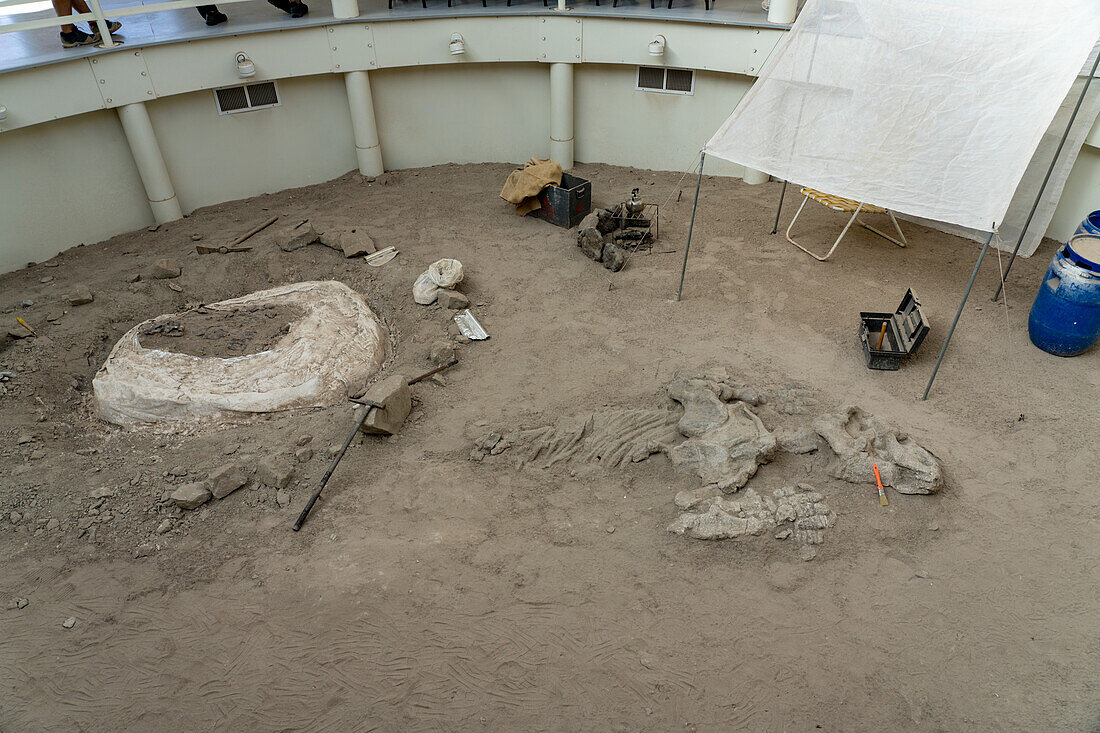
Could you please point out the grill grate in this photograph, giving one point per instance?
(247, 97)
(669, 81)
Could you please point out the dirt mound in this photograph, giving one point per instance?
(208, 333)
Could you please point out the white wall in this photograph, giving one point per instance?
(617, 124)
(1080, 197)
(214, 158)
(73, 180)
(477, 113)
(66, 182)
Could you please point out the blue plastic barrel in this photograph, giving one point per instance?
(1091, 225)
(1065, 317)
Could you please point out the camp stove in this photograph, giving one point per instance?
(633, 224)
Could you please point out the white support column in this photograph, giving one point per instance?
(150, 162)
(754, 177)
(561, 114)
(367, 148)
(345, 8)
(782, 11)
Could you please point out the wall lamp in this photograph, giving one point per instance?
(457, 46)
(3, 113)
(245, 66)
(657, 46)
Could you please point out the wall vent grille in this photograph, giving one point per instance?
(666, 81)
(247, 97)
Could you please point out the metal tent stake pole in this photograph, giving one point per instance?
(1050, 170)
(958, 313)
(782, 193)
(694, 206)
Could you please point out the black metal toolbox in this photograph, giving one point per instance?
(905, 331)
(567, 204)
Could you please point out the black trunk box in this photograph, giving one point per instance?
(567, 204)
(905, 331)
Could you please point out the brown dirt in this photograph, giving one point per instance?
(429, 591)
(222, 334)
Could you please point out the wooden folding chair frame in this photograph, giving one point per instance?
(806, 197)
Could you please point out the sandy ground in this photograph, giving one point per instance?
(432, 592)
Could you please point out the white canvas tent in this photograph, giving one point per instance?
(932, 108)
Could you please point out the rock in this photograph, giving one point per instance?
(133, 278)
(304, 439)
(80, 296)
(18, 332)
(441, 353)
(227, 479)
(189, 496)
(27, 303)
(54, 315)
(452, 299)
(606, 221)
(799, 442)
(166, 269)
(861, 440)
(174, 287)
(145, 549)
(352, 241)
(24, 439)
(282, 497)
(591, 244)
(304, 454)
(15, 517)
(394, 393)
(196, 237)
(17, 603)
(277, 477)
(69, 622)
(722, 517)
(726, 442)
(164, 526)
(53, 524)
(177, 471)
(591, 221)
(102, 493)
(614, 258)
(806, 553)
(290, 238)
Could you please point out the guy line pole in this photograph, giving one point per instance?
(694, 206)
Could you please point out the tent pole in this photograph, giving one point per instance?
(694, 206)
(958, 313)
(782, 192)
(1042, 188)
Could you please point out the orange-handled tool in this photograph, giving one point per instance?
(881, 491)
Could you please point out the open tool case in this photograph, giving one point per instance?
(905, 330)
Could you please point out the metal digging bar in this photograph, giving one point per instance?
(958, 313)
(694, 206)
(351, 436)
(1042, 188)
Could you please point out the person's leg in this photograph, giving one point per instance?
(64, 8)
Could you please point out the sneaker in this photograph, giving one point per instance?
(77, 37)
(213, 16)
(296, 10)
